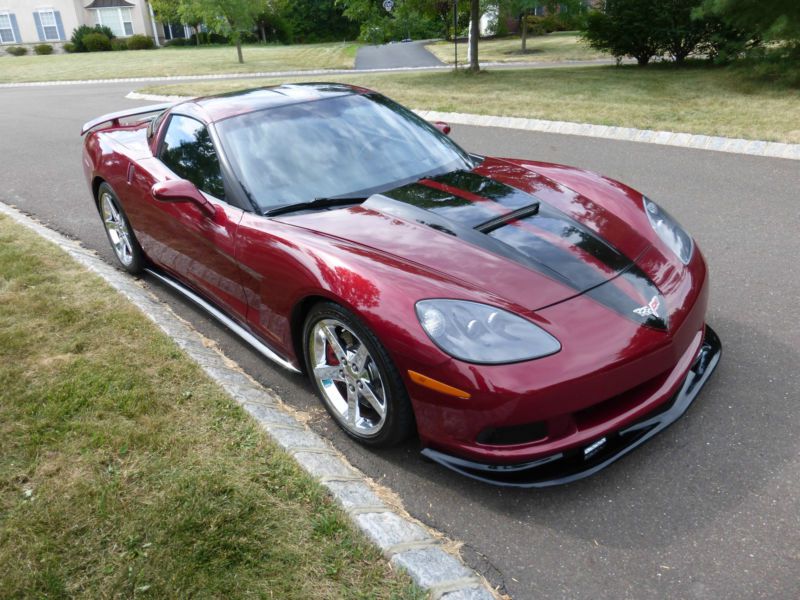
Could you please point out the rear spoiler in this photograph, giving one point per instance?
(115, 117)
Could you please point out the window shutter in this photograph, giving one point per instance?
(15, 28)
(59, 25)
(39, 29)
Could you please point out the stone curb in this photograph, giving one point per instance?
(627, 134)
(405, 543)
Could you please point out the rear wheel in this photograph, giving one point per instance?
(118, 230)
(355, 377)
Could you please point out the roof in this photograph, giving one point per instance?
(232, 104)
(109, 4)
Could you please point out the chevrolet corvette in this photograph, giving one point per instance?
(530, 322)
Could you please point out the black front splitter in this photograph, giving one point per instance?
(577, 463)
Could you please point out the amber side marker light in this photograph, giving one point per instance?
(438, 386)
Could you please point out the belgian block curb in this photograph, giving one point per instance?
(625, 134)
(407, 544)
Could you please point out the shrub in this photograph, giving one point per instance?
(628, 28)
(84, 30)
(96, 42)
(42, 49)
(69, 47)
(17, 50)
(140, 42)
(119, 44)
(179, 42)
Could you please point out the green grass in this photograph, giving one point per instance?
(553, 47)
(710, 101)
(175, 61)
(124, 472)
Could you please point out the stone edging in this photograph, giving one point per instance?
(406, 543)
(627, 134)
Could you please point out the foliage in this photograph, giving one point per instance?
(118, 44)
(773, 20)
(96, 42)
(231, 18)
(311, 21)
(79, 33)
(17, 50)
(140, 42)
(69, 47)
(627, 28)
(42, 49)
(415, 19)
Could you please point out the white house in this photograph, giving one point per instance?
(29, 22)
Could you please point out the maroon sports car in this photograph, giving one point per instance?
(531, 322)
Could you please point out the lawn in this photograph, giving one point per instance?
(553, 47)
(712, 101)
(204, 60)
(125, 472)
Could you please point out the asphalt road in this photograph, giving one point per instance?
(709, 509)
(397, 55)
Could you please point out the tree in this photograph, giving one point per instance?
(772, 20)
(474, 34)
(230, 17)
(628, 28)
(682, 30)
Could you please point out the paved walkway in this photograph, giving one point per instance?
(396, 55)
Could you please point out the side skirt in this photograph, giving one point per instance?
(228, 322)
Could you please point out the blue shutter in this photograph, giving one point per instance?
(39, 29)
(15, 28)
(59, 25)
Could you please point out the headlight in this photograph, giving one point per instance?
(668, 229)
(478, 333)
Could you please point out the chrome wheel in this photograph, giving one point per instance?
(117, 229)
(348, 377)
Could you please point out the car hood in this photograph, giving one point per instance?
(505, 230)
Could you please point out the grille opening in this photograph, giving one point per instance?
(515, 434)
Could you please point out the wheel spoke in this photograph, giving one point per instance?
(369, 396)
(352, 405)
(359, 359)
(330, 335)
(328, 372)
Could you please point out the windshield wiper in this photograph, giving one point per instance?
(314, 204)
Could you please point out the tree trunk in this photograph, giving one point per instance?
(239, 49)
(643, 60)
(524, 33)
(475, 32)
(197, 34)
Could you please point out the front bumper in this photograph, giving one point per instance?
(577, 463)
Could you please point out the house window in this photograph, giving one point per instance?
(6, 30)
(118, 20)
(49, 27)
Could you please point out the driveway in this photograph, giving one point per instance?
(396, 56)
(708, 509)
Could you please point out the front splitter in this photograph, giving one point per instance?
(577, 463)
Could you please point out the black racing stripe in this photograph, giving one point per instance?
(519, 240)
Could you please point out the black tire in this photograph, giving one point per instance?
(118, 229)
(397, 423)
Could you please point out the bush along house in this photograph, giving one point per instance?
(31, 23)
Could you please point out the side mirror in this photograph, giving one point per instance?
(182, 190)
(442, 126)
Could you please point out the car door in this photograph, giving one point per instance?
(182, 238)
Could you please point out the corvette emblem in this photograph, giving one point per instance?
(649, 309)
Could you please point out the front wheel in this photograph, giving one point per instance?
(118, 230)
(355, 377)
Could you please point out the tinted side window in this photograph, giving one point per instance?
(187, 150)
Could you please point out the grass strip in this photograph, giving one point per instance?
(701, 100)
(553, 47)
(204, 60)
(124, 471)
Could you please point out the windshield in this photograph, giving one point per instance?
(343, 146)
